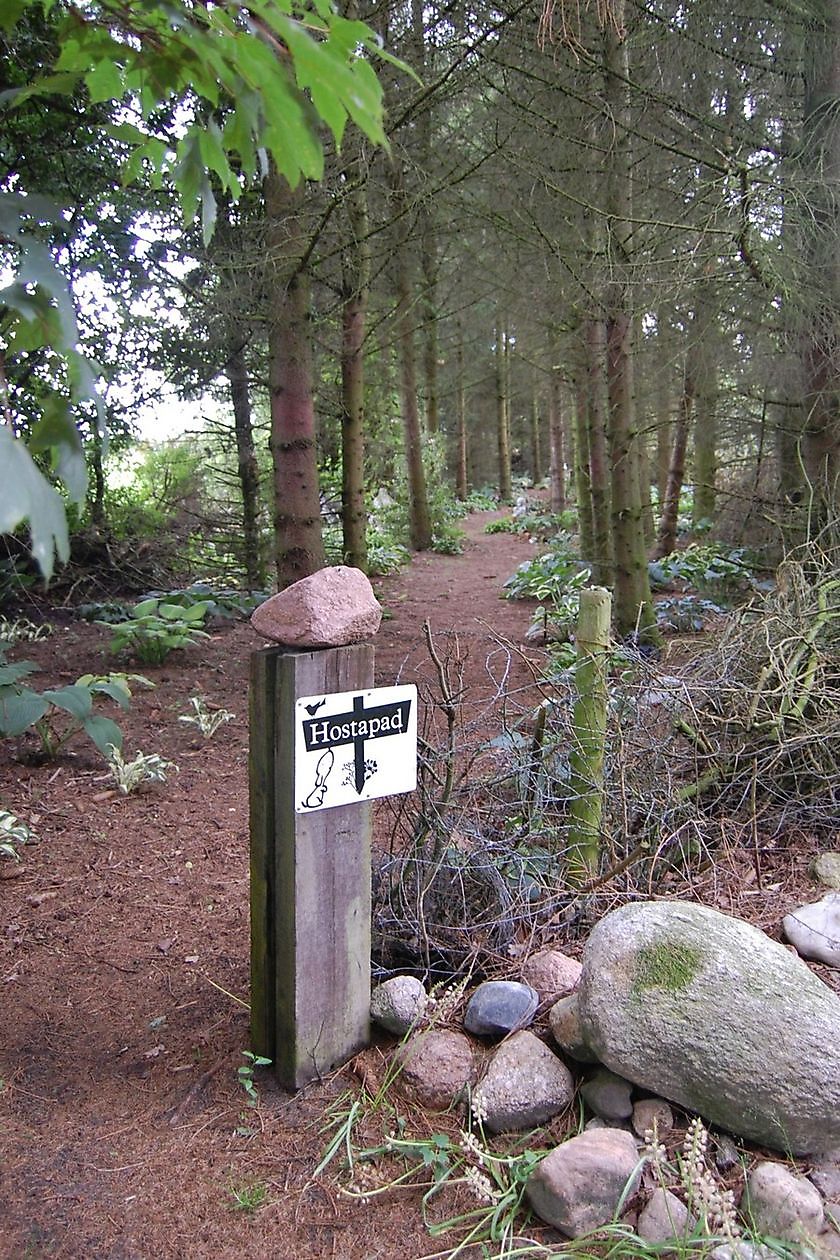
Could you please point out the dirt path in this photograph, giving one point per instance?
(125, 1134)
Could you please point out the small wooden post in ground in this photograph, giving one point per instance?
(310, 879)
(589, 726)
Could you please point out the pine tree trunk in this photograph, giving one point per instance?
(299, 546)
(666, 539)
(502, 424)
(462, 463)
(583, 483)
(557, 443)
(821, 159)
(355, 289)
(247, 468)
(599, 479)
(633, 608)
(419, 520)
(536, 438)
(703, 356)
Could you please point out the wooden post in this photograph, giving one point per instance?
(310, 880)
(589, 726)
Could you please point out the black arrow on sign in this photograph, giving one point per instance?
(355, 727)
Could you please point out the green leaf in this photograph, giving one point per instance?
(104, 82)
(13, 671)
(20, 709)
(56, 432)
(145, 607)
(104, 732)
(75, 700)
(25, 494)
(116, 691)
(11, 11)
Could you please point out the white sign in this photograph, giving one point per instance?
(354, 746)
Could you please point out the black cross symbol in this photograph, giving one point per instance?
(354, 727)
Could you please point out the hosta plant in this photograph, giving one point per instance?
(129, 776)
(206, 719)
(57, 714)
(13, 833)
(155, 628)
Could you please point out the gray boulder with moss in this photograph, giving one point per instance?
(707, 1011)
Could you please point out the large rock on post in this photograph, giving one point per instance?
(332, 608)
(709, 1012)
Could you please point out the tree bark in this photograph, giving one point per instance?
(419, 520)
(821, 162)
(536, 437)
(633, 608)
(599, 478)
(583, 482)
(462, 461)
(355, 277)
(297, 510)
(502, 417)
(667, 536)
(246, 466)
(557, 443)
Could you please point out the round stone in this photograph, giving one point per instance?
(499, 1007)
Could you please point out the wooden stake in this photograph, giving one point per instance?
(589, 725)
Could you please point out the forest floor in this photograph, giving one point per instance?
(125, 1133)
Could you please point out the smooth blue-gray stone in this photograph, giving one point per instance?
(499, 1007)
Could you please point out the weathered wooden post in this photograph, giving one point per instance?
(589, 727)
(312, 718)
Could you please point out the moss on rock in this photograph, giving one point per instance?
(665, 966)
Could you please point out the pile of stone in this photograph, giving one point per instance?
(674, 1003)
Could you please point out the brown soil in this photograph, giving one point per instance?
(125, 1132)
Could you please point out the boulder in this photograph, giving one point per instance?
(332, 608)
(708, 1012)
(581, 1183)
(524, 1086)
(814, 930)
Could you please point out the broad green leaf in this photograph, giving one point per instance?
(19, 709)
(74, 700)
(115, 690)
(11, 11)
(194, 612)
(104, 82)
(56, 432)
(25, 494)
(15, 670)
(145, 607)
(215, 158)
(104, 732)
